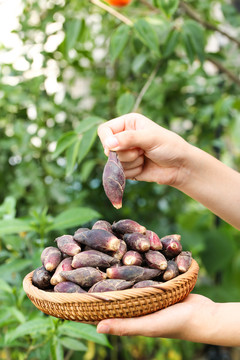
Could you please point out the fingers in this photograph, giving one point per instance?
(126, 132)
(124, 327)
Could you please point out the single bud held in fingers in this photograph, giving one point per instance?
(137, 241)
(65, 265)
(93, 258)
(114, 180)
(68, 287)
(132, 273)
(155, 242)
(171, 271)
(103, 225)
(146, 283)
(85, 277)
(98, 239)
(51, 258)
(127, 226)
(41, 278)
(171, 247)
(156, 260)
(68, 245)
(183, 261)
(132, 258)
(111, 285)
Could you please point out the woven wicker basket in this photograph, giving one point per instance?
(91, 308)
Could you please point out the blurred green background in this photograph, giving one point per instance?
(67, 66)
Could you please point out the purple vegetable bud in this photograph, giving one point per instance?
(41, 278)
(103, 225)
(93, 258)
(68, 245)
(146, 283)
(110, 285)
(183, 261)
(155, 242)
(171, 271)
(85, 276)
(132, 273)
(68, 287)
(121, 251)
(171, 247)
(114, 180)
(98, 239)
(156, 260)
(51, 258)
(137, 241)
(127, 226)
(65, 265)
(132, 258)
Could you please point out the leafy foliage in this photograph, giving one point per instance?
(82, 66)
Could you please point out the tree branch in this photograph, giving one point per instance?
(145, 88)
(113, 12)
(223, 69)
(192, 14)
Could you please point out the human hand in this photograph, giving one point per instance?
(189, 320)
(147, 151)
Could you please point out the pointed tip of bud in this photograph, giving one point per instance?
(117, 205)
(48, 267)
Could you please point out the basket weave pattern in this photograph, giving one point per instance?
(91, 308)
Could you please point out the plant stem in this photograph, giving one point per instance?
(113, 12)
(223, 69)
(69, 355)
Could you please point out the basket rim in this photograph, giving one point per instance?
(119, 295)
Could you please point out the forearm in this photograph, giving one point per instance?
(213, 184)
(216, 325)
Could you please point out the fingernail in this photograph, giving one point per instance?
(111, 142)
(103, 329)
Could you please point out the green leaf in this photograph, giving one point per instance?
(147, 35)
(73, 217)
(8, 208)
(87, 141)
(14, 226)
(171, 42)
(219, 250)
(83, 331)
(14, 266)
(4, 287)
(193, 36)
(28, 328)
(119, 41)
(17, 314)
(65, 141)
(86, 169)
(125, 104)
(73, 344)
(169, 7)
(73, 28)
(138, 62)
(56, 349)
(71, 156)
(188, 46)
(88, 123)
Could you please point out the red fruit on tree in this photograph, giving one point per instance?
(119, 3)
